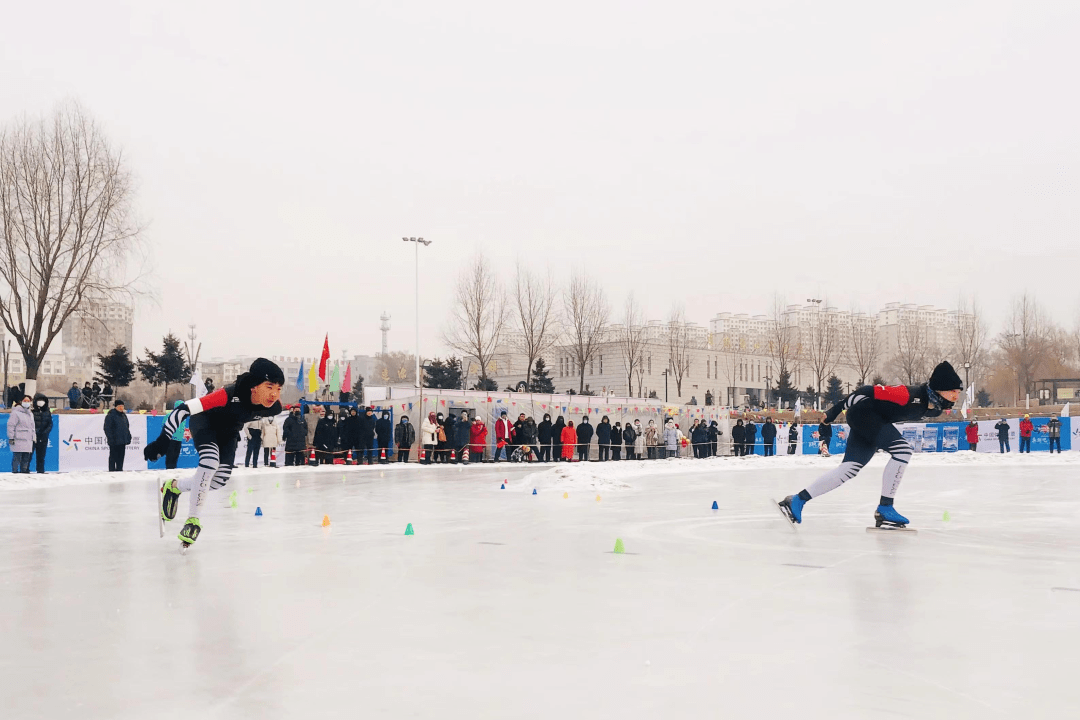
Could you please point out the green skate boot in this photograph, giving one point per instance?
(170, 496)
(189, 534)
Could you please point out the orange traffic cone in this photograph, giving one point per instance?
(349, 458)
(453, 456)
(312, 460)
(382, 454)
(465, 455)
(422, 454)
(273, 457)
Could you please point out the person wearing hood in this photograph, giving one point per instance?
(326, 433)
(699, 436)
(793, 438)
(557, 439)
(1002, 428)
(543, 437)
(1053, 431)
(872, 412)
(442, 437)
(294, 433)
(616, 441)
(477, 440)
(971, 433)
(639, 441)
(738, 438)
(349, 434)
(584, 438)
(629, 436)
(404, 436)
(768, 437)
(569, 441)
(712, 438)
(429, 437)
(671, 439)
(21, 435)
(118, 436)
(503, 433)
(74, 396)
(176, 442)
(43, 425)
(750, 440)
(366, 436)
(253, 435)
(1026, 427)
(215, 423)
(384, 432)
(824, 432)
(603, 439)
(527, 440)
(462, 435)
(652, 440)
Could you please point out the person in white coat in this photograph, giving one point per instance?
(271, 438)
(22, 435)
(671, 439)
(429, 430)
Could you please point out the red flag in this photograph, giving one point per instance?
(346, 384)
(325, 358)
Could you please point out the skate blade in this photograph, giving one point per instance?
(790, 522)
(887, 529)
(184, 547)
(160, 516)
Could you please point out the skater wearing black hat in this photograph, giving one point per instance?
(215, 425)
(871, 412)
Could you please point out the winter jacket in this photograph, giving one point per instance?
(1025, 428)
(768, 433)
(428, 432)
(117, 431)
(671, 437)
(699, 435)
(312, 424)
(972, 433)
(516, 432)
(366, 430)
(326, 434)
(824, 432)
(295, 433)
(43, 419)
(1053, 428)
(569, 438)
(639, 440)
(714, 432)
(793, 434)
(1003, 430)
(543, 430)
(527, 434)
(629, 435)
(503, 431)
(584, 433)
(384, 430)
(738, 433)
(463, 432)
(557, 432)
(872, 406)
(751, 433)
(74, 396)
(253, 430)
(21, 431)
(652, 434)
(349, 428)
(477, 439)
(271, 433)
(404, 434)
(603, 433)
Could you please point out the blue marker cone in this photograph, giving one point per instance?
(534, 491)
(502, 487)
(715, 506)
(258, 512)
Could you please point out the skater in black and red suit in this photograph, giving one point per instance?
(215, 422)
(871, 412)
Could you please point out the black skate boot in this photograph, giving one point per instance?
(170, 497)
(190, 533)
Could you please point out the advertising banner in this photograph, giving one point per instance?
(188, 457)
(83, 445)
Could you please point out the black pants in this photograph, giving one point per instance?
(172, 454)
(266, 456)
(556, 451)
(252, 455)
(294, 458)
(429, 450)
(769, 449)
(630, 454)
(40, 448)
(403, 453)
(116, 458)
(603, 452)
(1003, 445)
(545, 453)
(974, 446)
(1054, 441)
(20, 462)
(1025, 444)
(582, 452)
(616, 452)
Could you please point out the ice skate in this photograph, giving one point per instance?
(170, 497)
(791, 508)
(189, 534)
(886, 519)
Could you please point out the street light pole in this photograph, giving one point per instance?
(417, 242)
(967, 366)
(665, 374)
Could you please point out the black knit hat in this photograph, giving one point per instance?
(945, 378)
(263, 370)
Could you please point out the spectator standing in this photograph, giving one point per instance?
(87, 396)
(74, 396)
(824, 434)
(404, 436)
(793, 438)
(972, 433)
(543, 437)
(584, 438)
(384, 433)
(738, 436)
(118, 436)
(671, 439)
(527, 440)
(569, 441)
(503, 431)
(22, 436)
(326, 438)
(1053, 430)
(107, 393)
(751, 437)
(557, 438)
(629, 436)
(1026, 427)
(616, 441)
(349, 434)
(603, 439)
(366, 437)
(462, 435)
(699, 436)
(271, 438)
(314, 413)
(429, 437)
(43, 425)
(1002, 428)
(652, 440)
(295, 434)
(768, 437)
(712, 436)
(516, 438)
(253, 435)
(442, 447)
(176, 442)
(477, 440)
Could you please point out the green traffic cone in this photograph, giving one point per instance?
(409, 530)
(619, 549)
(945, 517)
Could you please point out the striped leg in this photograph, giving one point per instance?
(900, 451)
(200, 483)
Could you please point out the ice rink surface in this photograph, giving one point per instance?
(510, 605)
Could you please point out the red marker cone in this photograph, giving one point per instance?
(273, 458)
(453, 456)
(422, 454)
(312, 460)
(348, 458)
(382, 454)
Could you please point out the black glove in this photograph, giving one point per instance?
(157, 449)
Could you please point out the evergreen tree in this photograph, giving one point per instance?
(116, 368)
(878, 380)
(708, 397)
(785, 390)
(809, 396)
(834, 390)
(358, 389)
(445, 375)
(167, 367)
(541, 383)
(486, 384)
(982, 398)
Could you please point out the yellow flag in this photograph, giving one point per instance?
(312, 380)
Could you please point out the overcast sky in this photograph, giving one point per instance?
(709, 153)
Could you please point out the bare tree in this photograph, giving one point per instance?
(782, 342)
(586, 313)
(864, 350)
(537, 316)
(479, 316)
(1026, 342)
(912, 350)
(631, 339)
(821, 350)
(66, 227)
(680, 346)
(969, 337)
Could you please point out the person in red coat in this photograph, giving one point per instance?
(1026, 427)
(477, 440)
(569, 441)
(503, 436)
(972, 431)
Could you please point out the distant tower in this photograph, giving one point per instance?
(385, 327)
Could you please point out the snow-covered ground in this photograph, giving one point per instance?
(506, 604)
